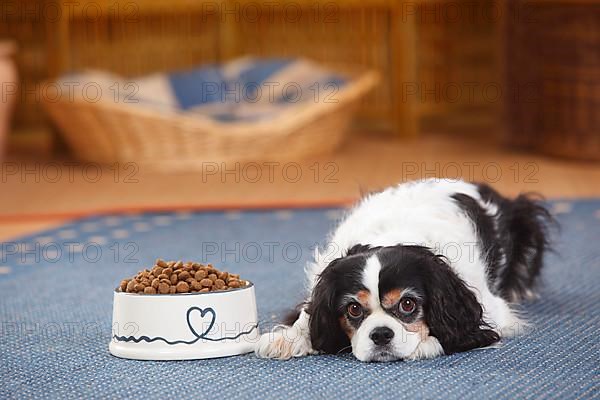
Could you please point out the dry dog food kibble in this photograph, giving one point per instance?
(170, 277)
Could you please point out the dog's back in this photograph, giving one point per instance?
(512, 234)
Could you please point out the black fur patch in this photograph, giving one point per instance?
(342, 276)
(491, 244)
(293, 315)
(514, 240)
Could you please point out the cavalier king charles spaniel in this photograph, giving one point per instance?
(416, 271)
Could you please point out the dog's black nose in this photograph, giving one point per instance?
(381, 335)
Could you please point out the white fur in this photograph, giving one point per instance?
(423, 213)
(371, 281)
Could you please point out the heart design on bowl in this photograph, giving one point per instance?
(198, 313)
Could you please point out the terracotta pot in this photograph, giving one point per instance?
(8, 89)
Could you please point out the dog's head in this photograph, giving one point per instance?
(384, 301)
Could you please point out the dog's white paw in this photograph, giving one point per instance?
(285, 342)
(428, 348)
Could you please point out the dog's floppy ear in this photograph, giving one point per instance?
(452, 312)
(326, 334)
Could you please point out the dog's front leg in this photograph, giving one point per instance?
(285, 342)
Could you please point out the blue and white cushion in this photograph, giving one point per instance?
(243, 90)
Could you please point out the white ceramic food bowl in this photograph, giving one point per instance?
(184, 326)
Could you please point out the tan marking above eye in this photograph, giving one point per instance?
(392, 297)
(363, 297)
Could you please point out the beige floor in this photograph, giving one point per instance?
(35, 196)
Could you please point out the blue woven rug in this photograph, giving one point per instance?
(56, 315)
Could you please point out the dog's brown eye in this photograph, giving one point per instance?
(355, 310)
(407, 305)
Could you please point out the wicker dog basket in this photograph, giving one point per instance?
(553, 69)
(109, 132)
